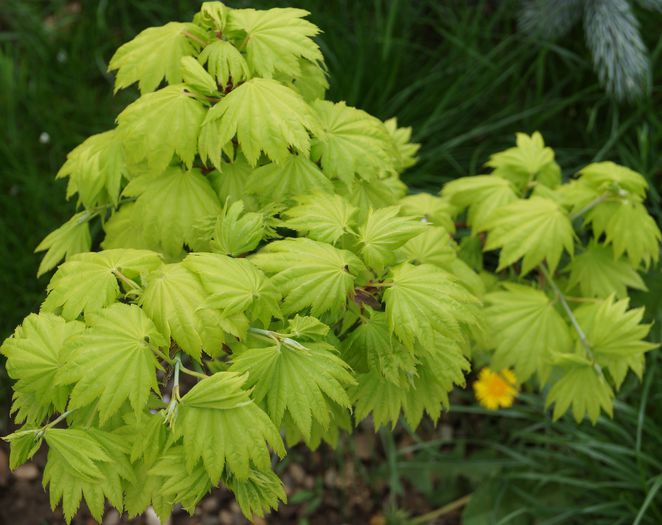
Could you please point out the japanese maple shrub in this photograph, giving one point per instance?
(264, 278)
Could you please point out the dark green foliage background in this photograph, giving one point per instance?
(461, 75)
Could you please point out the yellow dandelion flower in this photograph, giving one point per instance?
(496, 389)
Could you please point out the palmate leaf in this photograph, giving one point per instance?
(123, 229)
(69, 239)
(598, 273)
(425, 391)
(310, 274)
(89, 281)
(90, 464)
(616, 336)
(433, 246)
(296, 175)
(429, 208)
(95, 169)
(607, 176)
(176, 481)
(112, 361)
(236, 232)
(154, 54)
(628, 228)
(351, 141)
(324, 217)
(275, 39)
(299, 381)
(534, 230)
(423, 300)
(383, 232)
(438, 371)
(372, 346)
(526, 330)
(230, 181)
(529, 161)
(162, 124)
(265, 116)
(225, 63)
(222, 426)
(184, 197)
(34, 355)
(24, 444)
(374, 193)
(401, 138)
(583, 389)
(482, 194)
(196, 77)
(257, 495)
(236, 287)
(376, 396)
(311, 83)
(170, 299)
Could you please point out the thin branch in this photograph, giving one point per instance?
(598, 200)
(573, 320)
(443, 511)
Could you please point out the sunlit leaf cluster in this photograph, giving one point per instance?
(264, 279)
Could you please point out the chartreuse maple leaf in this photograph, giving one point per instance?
(628, 228)
(534, 230)
(310, 274)
(433, 246)
(274, 39)
(439, 367)
(230, 181)
(236, 232)
(257, 495)
(376, 396)
(154, 54)
(324, 217)
(184, 197)
(95, 169)
(296, 175)
(351, 142)
(526, 330)
(222, 425)
(69, 239)
(374, 193)
(616, 336)
(170, 299)
(85, 463)
(177, 481)
(300, 380)
(529, 161)
(598, 273)
(401, 138)
(123, 229)
(34, 355)
(610, 177)
(423, 300)
(372, 346)
(383, 232)
(162, 124)
(429, 208)
(265, 116)
(582, 388)
(236, 287)
(196, 77)
(483, 195)
(311, 82)
(113, 360)
(225, 63)
(89, 281)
